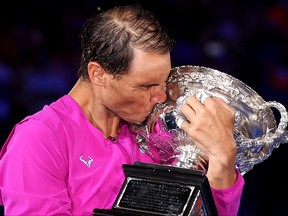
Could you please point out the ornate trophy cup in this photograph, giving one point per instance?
(256, 130)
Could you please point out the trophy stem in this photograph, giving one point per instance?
(190, 157)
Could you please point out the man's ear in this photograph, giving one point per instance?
(96, 73)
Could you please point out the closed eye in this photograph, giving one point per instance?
(153, 85)
(150, 85)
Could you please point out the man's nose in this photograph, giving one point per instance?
(158, 94)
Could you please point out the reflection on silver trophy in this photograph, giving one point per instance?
(256, 131)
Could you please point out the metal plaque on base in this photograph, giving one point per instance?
(151, 189)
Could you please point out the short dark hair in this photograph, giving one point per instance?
(110, 37)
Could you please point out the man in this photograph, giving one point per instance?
(67, 158)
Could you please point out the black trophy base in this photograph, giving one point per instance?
(151, 189)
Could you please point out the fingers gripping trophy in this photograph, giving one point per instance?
(256, 130)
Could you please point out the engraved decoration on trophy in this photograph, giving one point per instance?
(256, 130)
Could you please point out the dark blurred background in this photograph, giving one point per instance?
(40, 54)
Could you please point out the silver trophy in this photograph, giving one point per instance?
(256, 131)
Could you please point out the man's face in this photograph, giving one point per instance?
(133, 96)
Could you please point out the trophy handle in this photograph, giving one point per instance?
(280, 133)
(254, 151)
